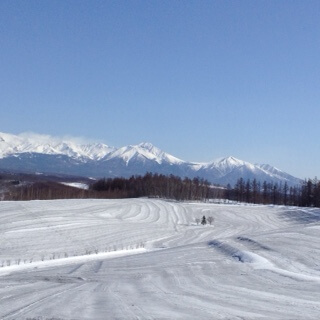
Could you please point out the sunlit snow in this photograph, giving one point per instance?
(78, 185)
(148, 259)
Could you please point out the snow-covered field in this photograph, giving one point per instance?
(147, 259)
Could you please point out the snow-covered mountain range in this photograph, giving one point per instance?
(32, 143)
(45, 154)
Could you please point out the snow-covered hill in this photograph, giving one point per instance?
(38, 153)
(148, 259)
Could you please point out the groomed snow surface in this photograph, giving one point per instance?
(147, 259)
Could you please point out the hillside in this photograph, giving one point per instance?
(148, 259)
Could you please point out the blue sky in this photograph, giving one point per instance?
(198, 79)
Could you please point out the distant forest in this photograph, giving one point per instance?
(173, 187)
(305, 195)
(161, 186)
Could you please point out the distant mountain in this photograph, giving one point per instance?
(45, 154)
(30, 143)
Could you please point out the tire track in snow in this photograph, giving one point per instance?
(32, 306)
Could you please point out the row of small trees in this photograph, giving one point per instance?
(56, 256)
(205, 220)
(306, 195)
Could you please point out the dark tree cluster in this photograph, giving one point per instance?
(310, 193)
(305, 195)
(158, 185)
(45, 191)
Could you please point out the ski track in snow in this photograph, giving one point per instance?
(58, 260)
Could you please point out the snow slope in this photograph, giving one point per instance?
(256, 262)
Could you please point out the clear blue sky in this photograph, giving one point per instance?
(198, 79)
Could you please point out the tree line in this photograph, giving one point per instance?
(158, 185)
(252, 191)
(173, 187)
(149, 185)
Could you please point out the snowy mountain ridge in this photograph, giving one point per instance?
(32, 143)
(143, 151)
(41, 153)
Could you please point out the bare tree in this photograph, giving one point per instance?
(210, 220)
(197, 221)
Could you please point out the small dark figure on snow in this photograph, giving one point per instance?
(204, 220)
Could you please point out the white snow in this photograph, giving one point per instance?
(78, 185)
(226, 165)
(14, 144)
(147, 259)
(44, 264)
(143, 151)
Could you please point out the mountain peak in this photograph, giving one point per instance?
(149, 147)
(229, 161)
(146, 145)
(143, 151)
(233, 159)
